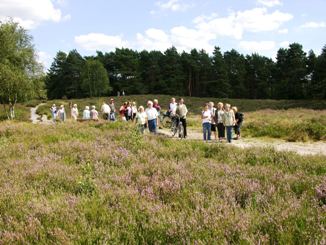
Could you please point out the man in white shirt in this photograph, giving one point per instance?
(105, 109)
(152, 115)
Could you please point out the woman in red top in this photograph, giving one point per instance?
(122, 111)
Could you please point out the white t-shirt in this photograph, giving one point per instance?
(173, 108)
(141, 118)
(86, 115)
(207, 114)
(134, 109)
(151, 113)
(74, 113)
(106, 109)
(213, 110)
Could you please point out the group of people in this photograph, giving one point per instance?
(221, 118)
(215, 120)
(89, 113)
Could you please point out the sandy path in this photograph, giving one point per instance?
(314, 148)
(37, 119)
(311, 148)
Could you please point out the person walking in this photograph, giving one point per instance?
(112, 110)
(206, 122)
(122, 112)
(94, 113)
(134, 110)
(74, 112)
(152, 114)
(219, 121)
(228, 121)
(238, 122)
(213, 123)
(86, 113)
(140, 119)
(53, 110)
(182, 112)
(62, 113)
(158, 108)
(105, 109)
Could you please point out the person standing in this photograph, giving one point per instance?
(94, 113)
(74, 112)
(238, 122)
(140, 119)
(213, 123)
(182, 112)
(134, 110)
(62, 113)
(228, 121)
(219, 121)
(53, 110)
(105, 109)
(86, 113)
(172, 107)
(122, 112)
(206, 122)
(152, 114)
(158, 108)
(112, 110)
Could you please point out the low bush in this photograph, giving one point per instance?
(93, 183)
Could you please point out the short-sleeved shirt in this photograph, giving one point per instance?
(141, 118)
(151, 113)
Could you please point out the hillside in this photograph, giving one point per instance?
(104, 183)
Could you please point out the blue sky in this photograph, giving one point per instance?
(261, 26)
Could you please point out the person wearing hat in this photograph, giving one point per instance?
(74, 112)
(94, 113)
(112, 110)
(62, 113)
(53, 110)
(86, 113)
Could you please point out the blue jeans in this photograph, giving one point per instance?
(229, 133)
(207, 131)
(112, 116)
(152, 126)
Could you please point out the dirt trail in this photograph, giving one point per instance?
(314, 148)
(37, 119)
(301, 148)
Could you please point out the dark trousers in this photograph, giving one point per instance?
(237, 129)
(184, 124)
(221, 130)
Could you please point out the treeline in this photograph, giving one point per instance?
(294, 74)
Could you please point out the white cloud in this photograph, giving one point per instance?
(314, 25)
(100, 41)
(237, 23)
(270, 3)
(44, 58)
(284, 44)
(183, 38)
(153, 39)
(283, 31)
(254, 46)
(30, 13)
(173, 5)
